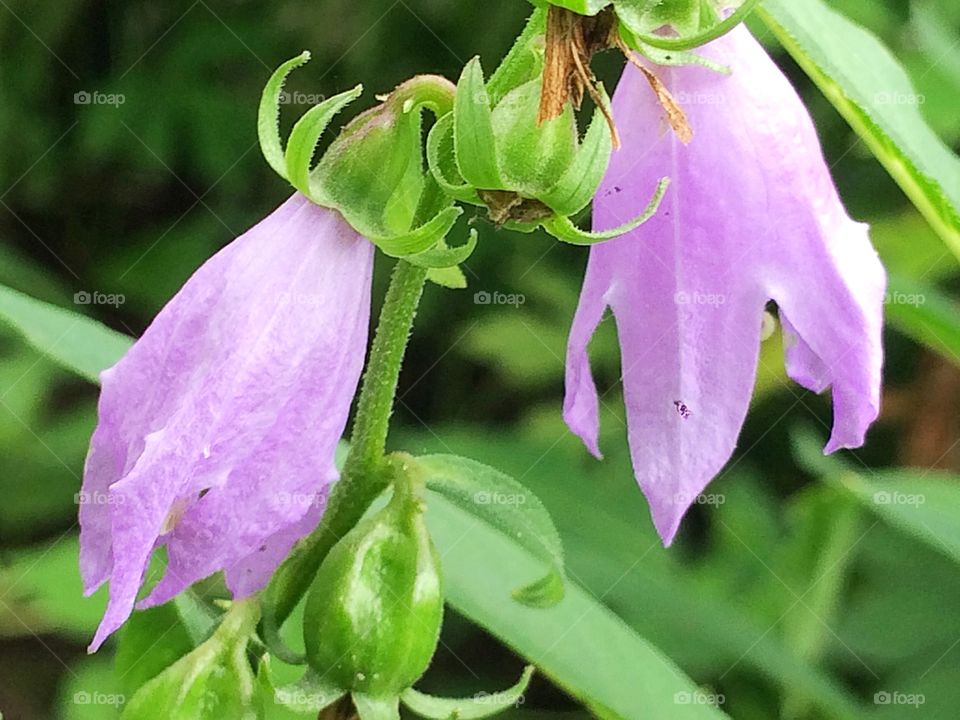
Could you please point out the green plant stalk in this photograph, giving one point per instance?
(366, 472)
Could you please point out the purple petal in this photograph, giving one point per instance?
(752, 216)
(217, 430)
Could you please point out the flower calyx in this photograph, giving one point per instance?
(372, 173)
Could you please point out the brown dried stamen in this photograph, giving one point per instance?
(572, 41)
(675, 114)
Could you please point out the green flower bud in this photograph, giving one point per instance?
(530, 168)
(373, 614)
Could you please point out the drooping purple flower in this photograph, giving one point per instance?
(217, 430)
(752, 215)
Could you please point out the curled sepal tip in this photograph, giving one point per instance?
(303, 140)
(640, 26)
(268, 116)
(482, 705)
(441, 158)
(562, 227)
(443, 256)
(419, 239)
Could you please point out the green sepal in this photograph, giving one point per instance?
(377, 708)
(303, 140)
(579, 183)
(582, 7)
(530, 155)
(671, 58)
(420, 239)
(681, 15)
(474, 139)
(562, 228)
(212, 681)
(483, 705)
(442, 160)
(443, 256)
(525, 60)
(268, 116)
(276, 644)
(308, 696)
(642, 26)
(451, 278)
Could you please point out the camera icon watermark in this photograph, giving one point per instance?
(684, 297)
(893, 697)
(699, 697)
(83, 697)
(486, 497)
(884, 497)
(85, 497)
(301, 98)
(95, 97)
(84, 297)
(889, 97)
(896, 297)
(485, 297)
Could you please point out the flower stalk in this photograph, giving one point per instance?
(365, 473)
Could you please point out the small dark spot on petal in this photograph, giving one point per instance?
(682, 409)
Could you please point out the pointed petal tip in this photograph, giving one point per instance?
(585, 428)
(667, 522)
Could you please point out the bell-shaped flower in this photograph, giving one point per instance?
(217, 430)
(752, 215)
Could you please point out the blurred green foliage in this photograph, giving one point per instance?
(787, 591)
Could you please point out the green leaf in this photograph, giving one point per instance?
(480, 706)
(74, 341)
(658, 595)
(925, 314)
(921, 503)
(151, 641)
(579, 643)
(473, 130)
(871, 90)
(40, 587)
(504, 504)
(214, 681)
(268, 117)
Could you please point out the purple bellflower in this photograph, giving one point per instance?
(752, 215)
(217, 430)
